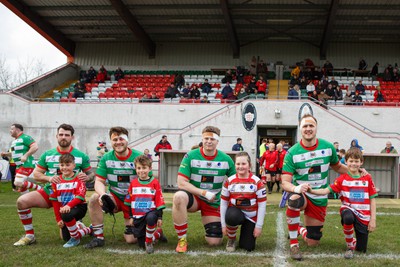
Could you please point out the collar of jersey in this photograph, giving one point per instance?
(310, 148)
(64, 152)
(208, 157)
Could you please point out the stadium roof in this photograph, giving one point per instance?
(238, 22)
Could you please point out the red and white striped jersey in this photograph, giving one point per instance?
(67, 190)
(355, 194)
(245, 194)
(144, 196)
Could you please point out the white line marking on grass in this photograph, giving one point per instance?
(279, 253)
(378, 213)
(281, 260)
(194, 253)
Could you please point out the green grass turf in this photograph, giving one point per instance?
(48, 250)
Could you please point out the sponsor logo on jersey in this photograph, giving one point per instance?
(122, 178)
(208, 172)
(207, 179)
(314, 169)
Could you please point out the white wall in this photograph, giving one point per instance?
(203, 56)
(92, 122)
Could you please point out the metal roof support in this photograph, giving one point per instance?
(328, 29)
(231, 29)
(135, 27)
(47, 30)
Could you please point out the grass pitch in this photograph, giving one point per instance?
(271, 247)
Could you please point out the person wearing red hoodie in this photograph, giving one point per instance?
(270, 157)
(163, 144)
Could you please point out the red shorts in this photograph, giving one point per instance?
(121, 206)
(206, 209)
(24, 171)
(45, 196)
(316, 212)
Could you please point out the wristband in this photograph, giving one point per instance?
(297, 189)
(209, 195)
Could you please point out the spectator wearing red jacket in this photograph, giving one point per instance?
(270, 157)
(163, 144)
(281, 155)
(261, 86)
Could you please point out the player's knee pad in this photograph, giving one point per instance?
(234, 216)
(213, 229)
(314, 232)
(296, 203)
(347, 217)
(151, 218)
(128, 230)
(67, 217)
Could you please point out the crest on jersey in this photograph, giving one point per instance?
(242, 187)
(209, 164)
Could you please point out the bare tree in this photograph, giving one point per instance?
(5, 74)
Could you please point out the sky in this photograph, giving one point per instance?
(20, 42)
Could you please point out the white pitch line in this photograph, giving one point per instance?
(256, 254)
(194, 253)
(279, 253)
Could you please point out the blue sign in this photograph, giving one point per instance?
(249, 116)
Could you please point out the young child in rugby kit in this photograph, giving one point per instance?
(146, 203)
(243, 202)
(358, 209)
(68, 198)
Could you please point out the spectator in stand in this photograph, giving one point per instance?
(338, 93)
(238, 146)
(316, 74)
(334, 82)
(79, 90)
(252, 87)
(378, 95)
(262, 69)
(240, 74)
(303, 83)
(360, 88)
(362, 65)
(103, 70)
(310, 88)
(163, 144)
(294, 80)
(228, 77)
(145, 98)
(354, 143)
(227, 91)
(352, 88)
(172, 91)
(242, 93)
(375, 71)
(86, 77)
(324, 83)
(295, 71)
(327, 69)
(206, 87)
(118, 74)
(389, 149)
(195, 92)
(357, 99)
(309, 64)
(101, 76)
(153, 98)
(261, 86)
(387, 76)
(92, 73)
(179, 80)
(293, 93)
(205, 100)
(185, 93)
(348, 98)
(253, 66)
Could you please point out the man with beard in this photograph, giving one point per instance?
(306, 165)
(117, 169)
(47, 171)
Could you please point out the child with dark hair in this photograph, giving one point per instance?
(146, 204)
(68, 198)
